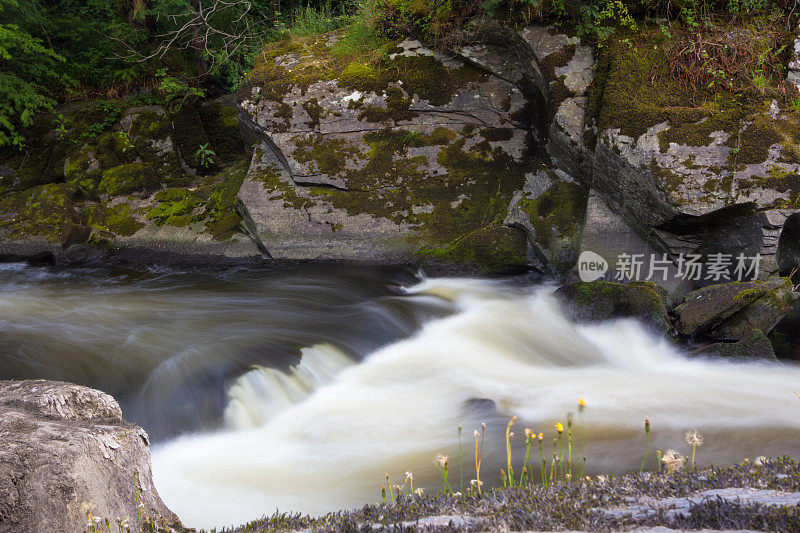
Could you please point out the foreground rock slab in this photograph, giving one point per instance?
(67, 455)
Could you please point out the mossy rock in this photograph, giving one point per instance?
(45, 210)
(762, 314)
(175, 207)
(190, 135)
(130, 178)
(494, 248)
(753, 346)
(605, 300)
(221, 125)
(113, 220)
(359, 155)
(222, 218)
(720, 308)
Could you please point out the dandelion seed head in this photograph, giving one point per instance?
(673, 461)
(694, 439)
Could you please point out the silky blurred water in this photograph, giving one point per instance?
(299, 389)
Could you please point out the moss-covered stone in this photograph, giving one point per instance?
(114, 220)
(605, 300)
(560, 210)
(176, 207)
(756, 140)
(45, 210)
(221, 125)
(221, 217)
(190, 135)
(130, 178)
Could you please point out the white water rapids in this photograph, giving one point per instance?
(320, 436)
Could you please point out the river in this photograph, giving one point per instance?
(297, 389)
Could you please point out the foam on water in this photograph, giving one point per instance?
(322, 437)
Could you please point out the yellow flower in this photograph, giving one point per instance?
(559, 427)
(581, 403)
(541, 437)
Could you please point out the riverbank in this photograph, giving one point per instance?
(761, 494)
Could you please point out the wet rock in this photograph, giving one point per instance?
(569, 70)
(414, 158)
(605, 300)
(788, 252)
(674, 171)
(551, 208)
(755, 346)
(66, 454)
(724, 311)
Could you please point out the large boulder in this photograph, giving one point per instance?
(415, 155)
(605, 300)
(690, 178)
(755, 346)
(67, 458)
(732, 311)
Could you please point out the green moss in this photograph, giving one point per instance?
(110, 151)
(278, 187)
(558, 211)
(756, 140)
(555, 60)
(784, 181)
(221, 125)
(175, 207)
(628, 99)
(45, 210)
(497, 134)
(361, 77)
(117, 219)
(397, 108)
(424, 76)
(684, 130)
(130, 178)
(82, 171)
(557, 94)
(189, 134)
(493, 248)
(222, 219)
(314, 111)
(151, 125)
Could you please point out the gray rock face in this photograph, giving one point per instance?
(67, 457)
(754, 348)
(674, 507)
(793, 74)
(569, 67)
(733, 311)
(418, 158)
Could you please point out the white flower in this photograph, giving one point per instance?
(760, 460)
(694, 439)
(673, 461)
(418, 492)
(456, 494)
(476, 483)
(409, 476)
(441, 460)
(475, 432)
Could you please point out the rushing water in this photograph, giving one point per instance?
(298, 389)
